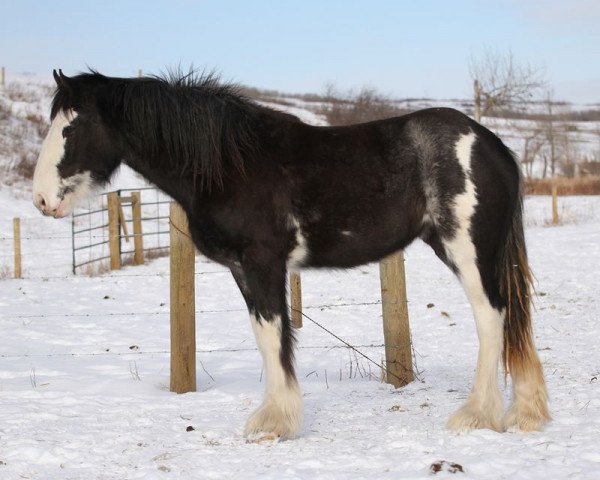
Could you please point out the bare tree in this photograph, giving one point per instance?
(344, 108)
(560, 150)
(533, 143)
(549, 128)
(501, 82)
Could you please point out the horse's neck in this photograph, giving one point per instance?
(180, 188)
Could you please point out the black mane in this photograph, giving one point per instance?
(192, 121)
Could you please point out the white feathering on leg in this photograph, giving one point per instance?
(280, 414)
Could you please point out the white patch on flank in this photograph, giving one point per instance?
(464, 203)
(484, 406)
(346, 233)
(298, 255)
(280, 414)
(461, 249)
(48, 187)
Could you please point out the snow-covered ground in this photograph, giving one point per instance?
(84, 369)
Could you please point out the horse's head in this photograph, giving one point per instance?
(79, 152)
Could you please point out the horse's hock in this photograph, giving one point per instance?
(398, 349)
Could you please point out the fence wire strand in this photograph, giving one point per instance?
(355, 349)
(131, 314)
(166, 352)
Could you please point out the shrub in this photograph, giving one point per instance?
(19, 93)
(25, 165)
(364, 106)
(5, 111)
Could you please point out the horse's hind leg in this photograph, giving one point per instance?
(280, 414)
(483, 409)
(475, 269)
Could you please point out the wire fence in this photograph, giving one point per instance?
(357, 348)
(89, 227)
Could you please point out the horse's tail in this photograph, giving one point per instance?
(516, 285)
(520, 356)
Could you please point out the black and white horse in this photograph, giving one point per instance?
(265, 192)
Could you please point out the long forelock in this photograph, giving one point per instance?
(60, 103)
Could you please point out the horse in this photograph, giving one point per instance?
(265, 192)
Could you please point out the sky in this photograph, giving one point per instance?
(402, 48)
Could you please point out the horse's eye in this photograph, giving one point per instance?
(67, 131)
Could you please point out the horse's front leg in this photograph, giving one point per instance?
(263, 288)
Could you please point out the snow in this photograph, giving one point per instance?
(78, 402)
(307, 116)
(84, 366)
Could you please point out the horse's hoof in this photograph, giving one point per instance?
(275, 420)
(262, 437)
(525, 419)
(529, 411)
(470, 418)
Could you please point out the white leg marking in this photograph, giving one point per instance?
(280, 414)
(299, 254)
(484, 407)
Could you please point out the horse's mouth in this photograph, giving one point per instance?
(59, 212)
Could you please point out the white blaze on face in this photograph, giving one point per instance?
(51, 194)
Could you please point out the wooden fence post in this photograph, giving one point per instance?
(555, 219)
(138, 240)
(296, 299)
(477, 95)
(114, 243)
(396, 329)
(17, 245)
(183, 321)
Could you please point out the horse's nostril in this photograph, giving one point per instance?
(41, 201)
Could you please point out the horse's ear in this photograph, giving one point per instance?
(63, 81)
